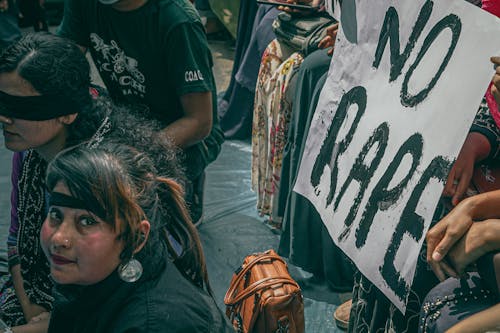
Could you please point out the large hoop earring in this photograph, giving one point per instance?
(130, 271)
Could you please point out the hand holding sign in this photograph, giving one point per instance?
(475, 149)
(288, 6)
(329, 40)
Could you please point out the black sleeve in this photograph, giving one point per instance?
(485, 124)
(189, 62)
(74, 25)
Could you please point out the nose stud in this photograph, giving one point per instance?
(63, 243)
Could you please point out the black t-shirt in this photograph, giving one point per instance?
(151, 55)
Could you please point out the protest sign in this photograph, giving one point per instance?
(401, 94)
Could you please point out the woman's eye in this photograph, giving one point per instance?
(87, 221)
(54, 215)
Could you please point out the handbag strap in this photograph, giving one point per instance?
(231, 298)
(251, 289)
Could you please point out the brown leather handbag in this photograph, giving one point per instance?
(263, 297)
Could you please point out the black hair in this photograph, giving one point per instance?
(53, 65)
(125, 183)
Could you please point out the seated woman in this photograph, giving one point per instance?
(108, 237)
(45, 106)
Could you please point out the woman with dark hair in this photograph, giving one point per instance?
(108, 240)
(45, 106)
(44, 88)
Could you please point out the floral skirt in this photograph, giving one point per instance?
(271, 119)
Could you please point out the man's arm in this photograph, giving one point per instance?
(196, 123)
(195, 95)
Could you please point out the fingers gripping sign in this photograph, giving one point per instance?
(329, 40)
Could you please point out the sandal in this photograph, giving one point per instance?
(342, 313)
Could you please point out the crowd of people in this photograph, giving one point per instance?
(108, 182)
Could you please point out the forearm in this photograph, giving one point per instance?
(196, 123)
(185, 132)
(479, 322)
(483, 206)
(30, 309)
(41, 326)
(479, 144)
(17, 280)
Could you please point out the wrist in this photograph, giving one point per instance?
(492, 235)
(468, 207)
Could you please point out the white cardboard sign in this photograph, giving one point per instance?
(401, 94)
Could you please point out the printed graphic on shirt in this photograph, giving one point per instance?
(121, 68)
(192, 76)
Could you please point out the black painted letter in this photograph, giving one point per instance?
(363, 173)
(381, 198)
(412, 224)
(390, 30)
(330, 150)
(455, 25)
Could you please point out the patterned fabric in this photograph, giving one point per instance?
(454, 300)
(485, 124)
(12, 313)
(12, 254)
(34, 266)
(270, 123)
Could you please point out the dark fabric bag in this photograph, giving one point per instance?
(263, 298)
(301, 33)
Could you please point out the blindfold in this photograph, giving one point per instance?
(43, 107)
(63, 200)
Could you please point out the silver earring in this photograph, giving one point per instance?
(130, 271)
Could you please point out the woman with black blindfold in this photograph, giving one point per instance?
(45, 106)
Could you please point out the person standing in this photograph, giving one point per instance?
(32, 13)
(154, 52)
(9, 30)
